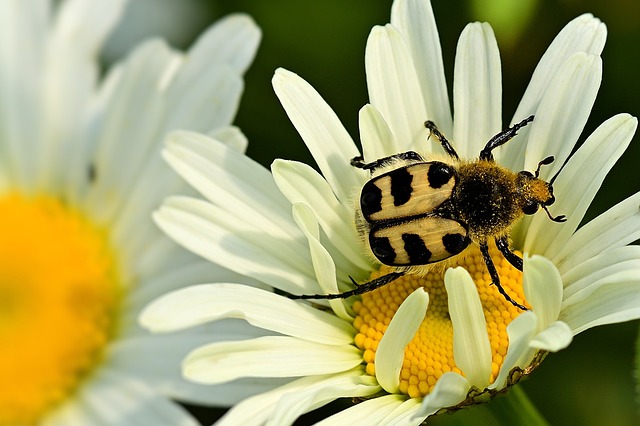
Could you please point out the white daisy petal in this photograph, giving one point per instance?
(477, 90)
(222, 238)
(81, 158)
(138, 357)
(393, 86)
(232, 40)
(270, 356)
(207, 101)
(543, 288)
(617, 227)
(293, 404)
(71, 75)
(93, 21)
(158, 252)
(232, 137)
(200, 92)
(139, 238)
(323, 264)
(401, 330)
(609, 300)
(574, 190)
(203, 94)
(258, 409)
(321, 130)
(520, 331)
(554, 337)
(471, 347)
(404, 414)
(137, 90)
(211, 302)
(343, 268)
(155, 182)
(249, 192)
(137, 404)
(301, 184)
(600, 266)
(227, 222)
(583, 34)
(365, 413)
(185, 270)
(375, 135)
(563, 112)
(415, 21)
(559, 120)
(24, 27)
(160, 280)
(450, 389)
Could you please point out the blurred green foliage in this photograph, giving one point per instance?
(591, 382)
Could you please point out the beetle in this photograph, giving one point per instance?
(414, 212)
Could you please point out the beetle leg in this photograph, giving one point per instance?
(495, 278)
(409, 155)
(431, 126)
(360, 288)
(502, 138)
(503, 245)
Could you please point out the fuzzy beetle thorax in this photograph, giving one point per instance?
(486, 198)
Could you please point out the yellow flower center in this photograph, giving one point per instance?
(58, 293)
(430, 353)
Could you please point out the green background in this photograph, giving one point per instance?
(591, 382)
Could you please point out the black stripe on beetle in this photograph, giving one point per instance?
(401, 188)
(370, 199)
(416, 248)
(439, 174)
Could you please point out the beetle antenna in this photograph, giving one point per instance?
(544, 162)
(558, 172)
(559, 219)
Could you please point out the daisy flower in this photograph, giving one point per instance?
(423, 343)
(80, 174)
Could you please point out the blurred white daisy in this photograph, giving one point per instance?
(410, 348)
(80, 174)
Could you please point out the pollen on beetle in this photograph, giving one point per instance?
(430, 354)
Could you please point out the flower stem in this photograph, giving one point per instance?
(516, 409)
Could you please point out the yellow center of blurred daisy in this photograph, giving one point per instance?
(430, 354)
(58, 293)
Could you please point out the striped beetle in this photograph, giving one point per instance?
(414, 212)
